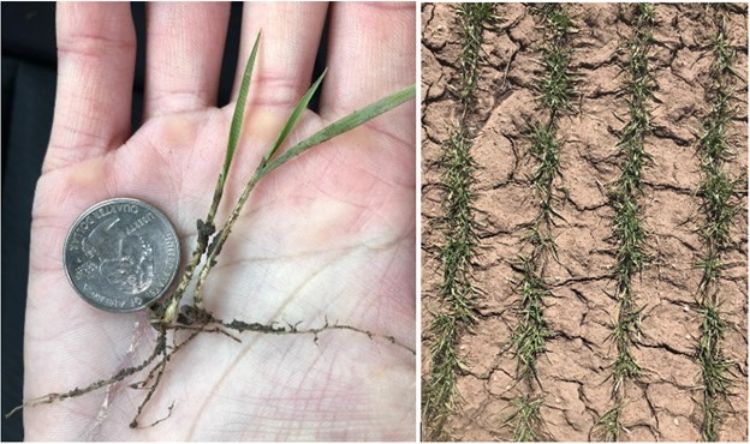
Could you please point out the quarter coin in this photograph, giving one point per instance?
(121, 255)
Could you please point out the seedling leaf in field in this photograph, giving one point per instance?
(608, 427)
(526, 419)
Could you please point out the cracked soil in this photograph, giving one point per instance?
(664, 404)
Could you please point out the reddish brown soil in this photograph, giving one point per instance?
(664, 404)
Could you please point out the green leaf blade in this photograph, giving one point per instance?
(235, 130)
(294, 118)
(341, 126)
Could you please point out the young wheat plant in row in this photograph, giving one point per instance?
(629, 232)
(456, 291)
(719, 205)
(529, 337)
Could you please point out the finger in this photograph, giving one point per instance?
(185, 44)
(96, 60)
(289, 43)
(371, 53)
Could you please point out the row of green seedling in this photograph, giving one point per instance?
(629, 232)
(719, 205)
(439, 395)
(529, 337)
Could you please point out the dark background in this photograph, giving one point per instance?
(29, 65)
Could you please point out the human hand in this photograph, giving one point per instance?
(329, 235)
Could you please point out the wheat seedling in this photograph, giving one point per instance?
(171, 315)
(526, 419)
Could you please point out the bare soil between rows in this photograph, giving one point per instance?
(664, 403)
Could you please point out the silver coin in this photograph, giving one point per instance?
(121, 255)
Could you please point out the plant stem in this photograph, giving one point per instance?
(167, 312)
(218, 243)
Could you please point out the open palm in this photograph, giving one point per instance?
(328, 236)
